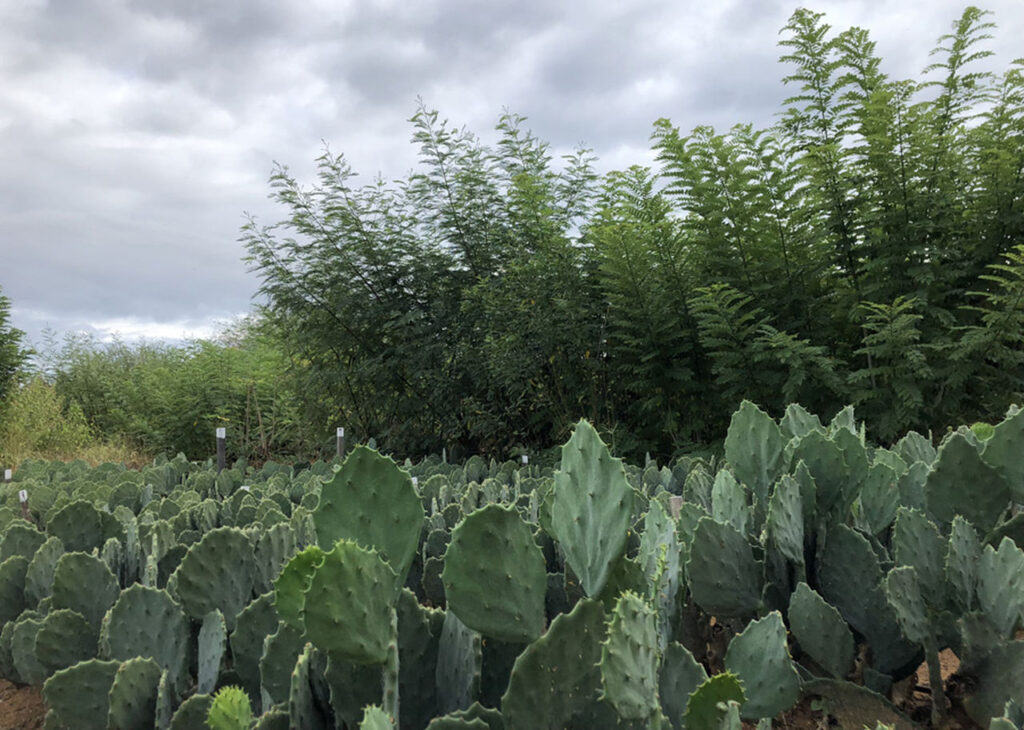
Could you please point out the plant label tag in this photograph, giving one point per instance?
(526, 459)
(244, 488)
(341, 432)
(7, 475)
(222, 433)
(23, 496)
(415, 481)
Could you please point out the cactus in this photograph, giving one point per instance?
(680, 675)
(39, 577)
(216, 573)
(630, 661)
(556, 680)
(23, 649)
(591, 507)
(374, 718)
(660, 560)
(1001, 586)
(65, 638)
(879, 498)
(825, 462)
(84, 584)
(253, 625)
(458, 665)
(962, 558)
(724, 577)
(79, 695)
(708, 704)
(192, 713)
(352, 687)
(958, 463)
(273, 550)
(146, 622)
(754, 448)
(210, 654)
(785, 522)
(293, 582)
(373, 503)
(79, 527)
(20, 538)
(12, 587)
(760, 658)
(132, 697)
(303, 712)
(349, 603)
(418, 648)
(280, 652)
(997, 682)
(1002, 452)
(729, 502)
(821, 631)
(494, 575)
(229, 710)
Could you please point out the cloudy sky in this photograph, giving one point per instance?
(134, 134)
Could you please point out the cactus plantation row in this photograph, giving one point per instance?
(806, 564)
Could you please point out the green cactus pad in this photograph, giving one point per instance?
(556, 680)
(850, 579)
(629, 659)
(253, 625)
(452, 722)
(1003, 450)
(373, 503)
(729, 502)
(146, 622)
(458, 665)
(12, 587)
(962, 558)
(352, 687)
(280, 652)
(494, 577)
(903, 590)
(879, 498)
(210, 654)
(20, 538)
(229, 710)
(754, 448)
(660, 557)
(821, 631)
(797, 422)
(708, 704)
(79, 527)
(591, 508)
(724, 577)
(1001, 586)
(39, 578)
(854, 706)
(417, 661)
(293, 582)
(132, 697)
(916, 541)
(375, 718)
(959, 463)
(192, 713)
(65, 638)
(303, 712)
(681, 674)
(79, 695)
(216, 573)
(274, 549)
(84, 584)
(785, 521)
(349, 602)
(23, 650)
(825, 463)
(760, 658)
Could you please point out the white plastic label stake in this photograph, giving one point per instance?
(341, 432)
(415, 481)
(7, 475)
(222, 433)
(244, 487)
(526, 459)
(23, 496)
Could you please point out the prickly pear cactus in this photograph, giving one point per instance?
(216, 573)
(147, 622)
(591, 508)
(494, 575)
(760, 658)
(79, 695)
(630, 659)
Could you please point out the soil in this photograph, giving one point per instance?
(21, 708)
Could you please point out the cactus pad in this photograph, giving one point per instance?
(146, 622)
(133, 694)
(760, 658)
(630, 658)
(79, 695)
(821, 631)
(216, 573)
(724, 577)
(84, 584)
(65, 638)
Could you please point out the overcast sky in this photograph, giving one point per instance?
(133, 135)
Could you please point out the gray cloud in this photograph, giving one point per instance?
(134, 134)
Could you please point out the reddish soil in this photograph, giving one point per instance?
(21, 708)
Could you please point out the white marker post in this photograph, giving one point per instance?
(23, 498)
(341, 441)
(222, 434)
(8, 475)
(415, 482)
